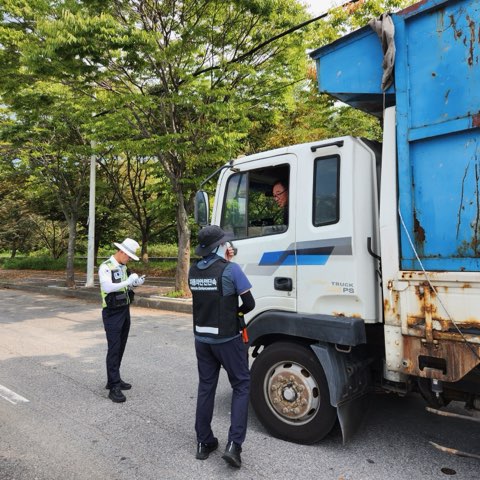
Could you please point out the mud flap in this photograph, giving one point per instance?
(350, 416)
(348, 381)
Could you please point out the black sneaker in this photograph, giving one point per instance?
(123, 386)
(205, 449)
(232, 454)
(116, 395)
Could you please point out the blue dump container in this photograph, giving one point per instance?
(350, 69)
(437, 95)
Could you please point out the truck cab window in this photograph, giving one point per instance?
(256, 202)
(326, 191)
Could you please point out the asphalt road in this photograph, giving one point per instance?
(56, 422)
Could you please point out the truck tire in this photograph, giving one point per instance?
(289, 393)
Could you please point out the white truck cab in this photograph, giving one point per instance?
(315, 276)
(315, 258)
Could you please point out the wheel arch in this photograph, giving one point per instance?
(273, 325)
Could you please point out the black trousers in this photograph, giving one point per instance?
(117, 325)
(233, 357)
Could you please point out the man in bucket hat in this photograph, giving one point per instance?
(116, 283)
(216, 283)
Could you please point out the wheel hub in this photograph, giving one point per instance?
(292, 391)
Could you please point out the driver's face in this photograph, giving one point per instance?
(280, 194)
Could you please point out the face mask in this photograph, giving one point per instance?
(222, 250)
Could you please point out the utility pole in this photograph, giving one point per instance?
(91, 220)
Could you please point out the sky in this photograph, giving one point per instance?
(317, 7)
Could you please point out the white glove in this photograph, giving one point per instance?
(131, 279)
(139, 281)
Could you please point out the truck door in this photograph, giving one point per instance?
(335, 271)
(257, 207)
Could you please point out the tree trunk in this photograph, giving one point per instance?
(144, 253)
(72, 240)
(96, 248)
(183, 263)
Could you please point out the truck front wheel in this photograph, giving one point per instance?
(289, 393)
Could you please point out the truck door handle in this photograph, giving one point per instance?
(283, 283)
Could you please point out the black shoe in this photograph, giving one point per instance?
(205, 449)
(232, 454)
(123, 385)
(116, 395)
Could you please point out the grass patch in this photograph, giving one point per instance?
(38, 263)
(154, 269)
(154, 250)
(175, 294)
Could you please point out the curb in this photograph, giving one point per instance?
(157, 302)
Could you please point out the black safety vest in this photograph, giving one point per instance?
(214, 315)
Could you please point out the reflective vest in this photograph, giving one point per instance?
(214, 315)
(120, 298)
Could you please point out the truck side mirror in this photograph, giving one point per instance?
(201, 208)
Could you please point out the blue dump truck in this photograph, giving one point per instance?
(368, 277)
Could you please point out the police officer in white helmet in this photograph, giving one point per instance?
(116, 286)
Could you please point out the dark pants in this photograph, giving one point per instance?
(117, 325)
(233, 357)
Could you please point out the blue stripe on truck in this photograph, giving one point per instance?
(308, 253)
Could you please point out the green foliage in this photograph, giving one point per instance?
(201, 111)
(317, 117)
(343, 20)
(15, 223)
(180, 83)
(166, 91)
(51, 235)
(311, 116)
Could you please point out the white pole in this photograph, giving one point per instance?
(91, 221)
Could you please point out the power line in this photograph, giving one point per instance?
(272, 39)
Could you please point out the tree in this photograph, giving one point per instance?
(50, 144)
(186, 84)
(52, 234)
(16, 225)
(312, 116)
(110, 216)
(317, 116)
(46, 129)
(132, 179)
(184, 76)
(351, 16)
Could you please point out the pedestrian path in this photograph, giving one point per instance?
(149, 295)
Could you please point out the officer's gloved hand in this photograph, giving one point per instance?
(131, 279)
(139, 281)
